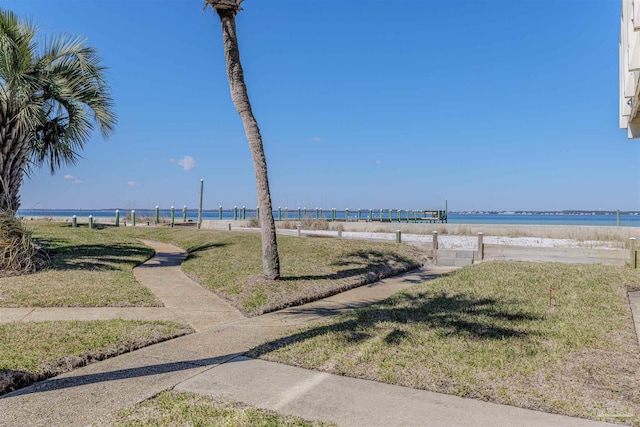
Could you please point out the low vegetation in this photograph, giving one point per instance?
(487, 332)
(229, 263)
(88, 268)
(180, 409)
(33, 351)
(18, 252)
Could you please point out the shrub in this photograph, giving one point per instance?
(19, 253)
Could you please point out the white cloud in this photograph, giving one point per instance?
(78, 181)
(317, 139)
(187, 163)
(69, 177)
(378, 162)
(133, 183)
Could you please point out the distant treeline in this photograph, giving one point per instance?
(564, 212)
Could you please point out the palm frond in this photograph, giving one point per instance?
(52, 95)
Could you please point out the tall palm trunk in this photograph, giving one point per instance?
(240, 98)
(13, 158)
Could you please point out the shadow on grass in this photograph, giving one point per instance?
(193, 252)
(457, 315)
(370, 263)
(93, 256)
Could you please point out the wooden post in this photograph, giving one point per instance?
(359, 214)
(299, 228)
(157, 219)
(632, 253)
(480, 246)
(220, 212)
(298, 213)
(229, 226)
(286, 212)
(244, 212)
(184, 213)
(346, 215)
(398, 236)
(200, 204)
(173, 215)
(435, 240)
(117, 218)
(618, 218)
(133, 218)
(90, 222)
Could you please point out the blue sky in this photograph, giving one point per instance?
(491, 104)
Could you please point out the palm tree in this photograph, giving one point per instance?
(50, 98)
(227, 10)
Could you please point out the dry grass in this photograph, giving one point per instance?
(33, 351)
(230, 264)
(18, 251)
(487, 332)
(187, 409)
(88, 268)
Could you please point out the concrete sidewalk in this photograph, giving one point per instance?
(354, 402)
(183, 299)
(198, 362)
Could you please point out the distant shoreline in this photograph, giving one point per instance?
(104, 212)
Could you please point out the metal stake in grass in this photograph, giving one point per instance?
(551, 289)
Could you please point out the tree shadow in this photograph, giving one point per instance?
(30, 383)
(369, 263)
(447, 315)
(93, 256)
(194, 252)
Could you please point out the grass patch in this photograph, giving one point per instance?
(170, 408)
(89, 268)
(33, 351)
(487, 332)
(230, 264)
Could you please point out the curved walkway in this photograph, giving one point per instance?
(183, 299)
(198, 363)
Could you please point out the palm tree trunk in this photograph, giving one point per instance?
(13, 158)
(240, 98)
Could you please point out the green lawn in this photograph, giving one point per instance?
(173, 409)
(90, 268)
(32, 351)
(93, 268)
(230, 264)
(487, 332)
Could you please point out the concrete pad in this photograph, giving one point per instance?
(353, 402)
(87, 394)
(8, 315)
(100, 313)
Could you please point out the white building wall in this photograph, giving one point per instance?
(630, 67)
